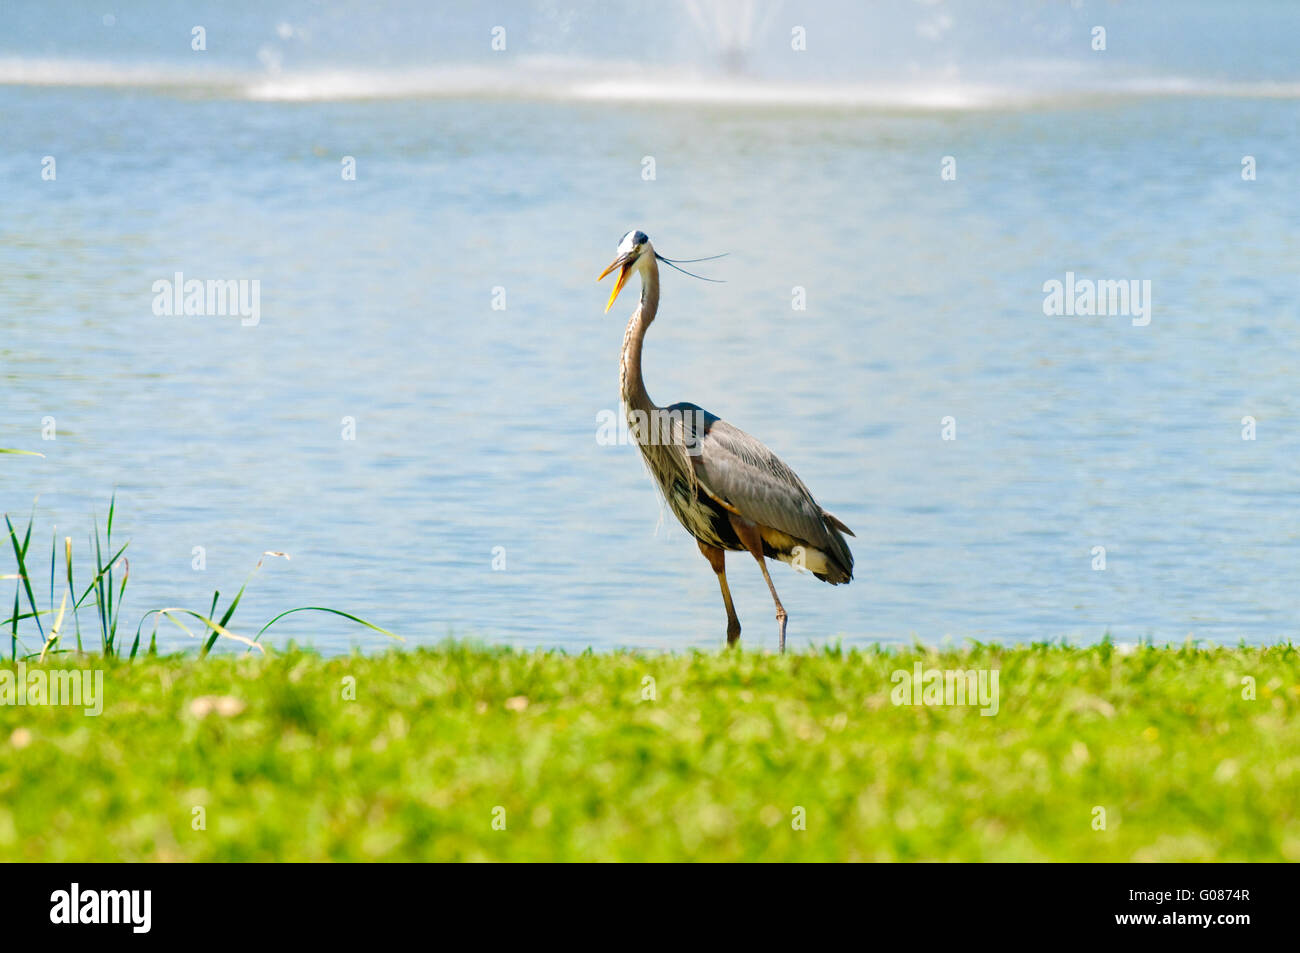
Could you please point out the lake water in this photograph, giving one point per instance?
(480, 183)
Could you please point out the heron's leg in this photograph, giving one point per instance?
(718, 560)
(752, 540)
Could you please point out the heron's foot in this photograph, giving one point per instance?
(733, 632)
(780, 623)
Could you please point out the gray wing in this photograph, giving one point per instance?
(740, 472)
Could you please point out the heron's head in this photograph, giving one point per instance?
(634, 251)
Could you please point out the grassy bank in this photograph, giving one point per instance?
(716, 765)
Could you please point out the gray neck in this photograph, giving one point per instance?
(631, 384)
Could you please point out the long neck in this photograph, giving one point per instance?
(631, 384)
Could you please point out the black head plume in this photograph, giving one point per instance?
(674, 262)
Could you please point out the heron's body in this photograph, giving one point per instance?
(726, 488)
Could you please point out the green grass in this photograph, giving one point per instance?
(25, 621)
(712, 768)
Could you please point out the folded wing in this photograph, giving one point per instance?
(747, 478)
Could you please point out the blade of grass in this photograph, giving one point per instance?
(67, 558)
(126, 574)
(207, 645)
(54, 632)
(94, 582)
(99, 593)
(21, 554)
(225, 619)
(171, 612)
(108, 542)
(25, 615)
(338, 612)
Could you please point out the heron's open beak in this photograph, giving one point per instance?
(626, 269)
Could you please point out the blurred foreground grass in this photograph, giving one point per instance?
(571, 754)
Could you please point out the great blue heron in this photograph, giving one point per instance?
(726, 488)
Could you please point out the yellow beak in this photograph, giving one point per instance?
(622, 279)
